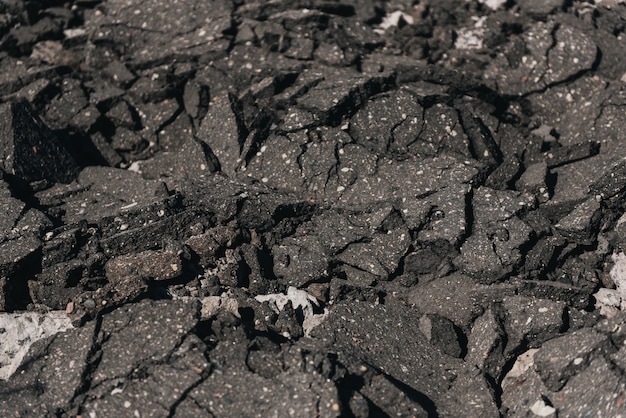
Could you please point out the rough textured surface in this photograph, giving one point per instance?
(312, 208)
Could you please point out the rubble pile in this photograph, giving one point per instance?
(315, 208)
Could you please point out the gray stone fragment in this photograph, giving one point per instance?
(141, 332)
(119, 74)
(530, 321)
(581, 224)
(391, 399)
(561, 358)
(611, 182)
(440, 332)
(374, 125)
(456, 297)
(57, 364)
(533, 180)
(182, 32)
(195, 159)
(196, 98)
(148, 265)
(381, 336)
(342, 92)
(599, 389)
(555, 52)
(159, 389)
(570, 153)
(486, 344)
(291, 394)
(300, 260)
(493, 249)
(29, 149)
(381, 255)
(224, 131)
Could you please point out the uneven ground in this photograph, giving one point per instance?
(311, 208)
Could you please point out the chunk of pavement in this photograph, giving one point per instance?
(456, 297)
(486, 344)
(29, 149)
(611, 183)
(493, 250)
(390, 398)
(104, 153)
(149, 265)
(21, 330)
(119, 74)
(601, 175)
(577, 400)
(300, 260)
(342, 92)
(505, 173)
(570, 153)
(211, 245)
(288, 394)
(380, 256)
(195, 158)
(523, 389)
(150, 227)
(148, 331)
(123, 114)
(11, 209)
(66, 105)
(373, 125)
(183, 32)
(524, 393)
(277, 163)
(362, 332)
(582, 223)
(531, 321)
(59, 283)
(16, 253)
(413, 185)
(58, 364)
(159, 388)
(336, 231)
(533, 181)
(555, 53)
(575, 296)
(447, 215)
(563, 357)
(101, 192)
(196, 98)
(224, 131)
(440, 130)
(441, 333)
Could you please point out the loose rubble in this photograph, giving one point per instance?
(312, 208)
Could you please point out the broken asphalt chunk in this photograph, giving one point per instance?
(30, 150)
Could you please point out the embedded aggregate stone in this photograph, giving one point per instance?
(312, 208)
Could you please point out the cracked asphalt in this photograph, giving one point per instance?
(312, 208)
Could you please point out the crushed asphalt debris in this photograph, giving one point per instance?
(312, 208)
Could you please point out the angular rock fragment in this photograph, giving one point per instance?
(30, 150)
(533, 180)
(555, 53)
(561, 358)
(581, 223)
(183, 32)
(69, 352)
(493, 249)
